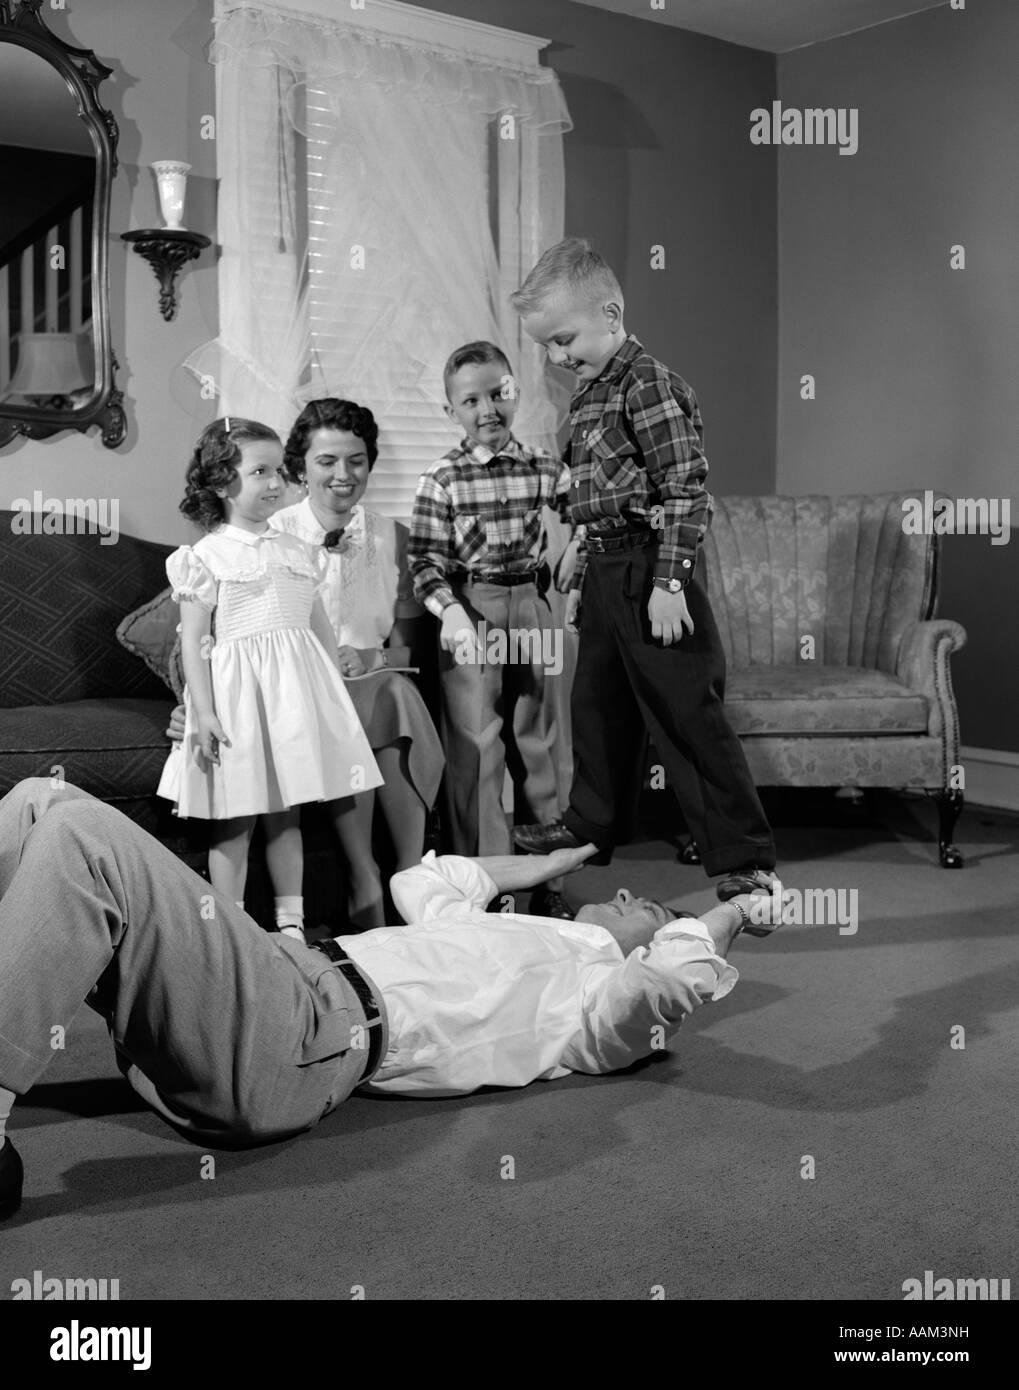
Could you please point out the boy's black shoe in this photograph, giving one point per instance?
(547, 903)
(12, 1179)
(748, 879)
(543, 839)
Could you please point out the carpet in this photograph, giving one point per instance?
(825, 1132)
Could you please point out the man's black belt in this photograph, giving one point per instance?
(363, 990)
(626, 538)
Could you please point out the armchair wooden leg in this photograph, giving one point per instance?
(949, 810)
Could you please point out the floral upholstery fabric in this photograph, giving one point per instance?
(837, 569)
(809, 699)
(837, 762)
(868, 699)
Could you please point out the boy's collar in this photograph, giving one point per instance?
(481, 453)
(624, 354)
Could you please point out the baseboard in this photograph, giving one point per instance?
(992, 777)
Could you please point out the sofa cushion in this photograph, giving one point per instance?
(61, 599)
(809, 699)
(114, 749)
(150, 632)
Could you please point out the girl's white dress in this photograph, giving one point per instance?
(294, 735)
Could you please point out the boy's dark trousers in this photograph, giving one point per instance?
(627, 682)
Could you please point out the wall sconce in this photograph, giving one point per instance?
(172, 246)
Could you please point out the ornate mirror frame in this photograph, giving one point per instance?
(21, 24)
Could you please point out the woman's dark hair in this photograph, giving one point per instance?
(328, 413)
(214, 464)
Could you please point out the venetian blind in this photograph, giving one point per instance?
(374, 130)
(343, 308)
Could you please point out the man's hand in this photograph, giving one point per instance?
(210, 737)
(458, 635)
(511, 872)
(764, 909)
(175, 731)
(563, 861)
(572, 619)
(669, 616)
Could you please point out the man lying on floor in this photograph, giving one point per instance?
(238, 1037)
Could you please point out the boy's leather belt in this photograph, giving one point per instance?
(363, 990)
(507, 581)
(628, 538)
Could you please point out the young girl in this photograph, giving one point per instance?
(268, 721)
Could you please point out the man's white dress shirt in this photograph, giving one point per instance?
(476, 998)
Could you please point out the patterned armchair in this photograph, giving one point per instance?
(838, 669)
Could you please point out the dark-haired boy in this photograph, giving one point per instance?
(475, 549)
(650, 656)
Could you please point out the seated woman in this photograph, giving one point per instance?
(369, 599)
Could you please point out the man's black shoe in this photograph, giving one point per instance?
(546, 903)
(543, 839)
(12, 1179)
(748, 879)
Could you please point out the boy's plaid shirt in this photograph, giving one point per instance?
(636, 444)
(480, 513)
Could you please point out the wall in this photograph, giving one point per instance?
(161, 87)
(914, 362)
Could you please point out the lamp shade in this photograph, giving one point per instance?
(53, 364)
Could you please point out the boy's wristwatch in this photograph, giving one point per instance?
(675, 586)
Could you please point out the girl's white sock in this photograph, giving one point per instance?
(290, 911)
(6, 1105)
(290, 915)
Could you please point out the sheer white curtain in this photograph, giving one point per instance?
(379, 199)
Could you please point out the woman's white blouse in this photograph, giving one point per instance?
(367, 584)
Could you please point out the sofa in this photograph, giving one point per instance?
(838, 667)
(74, 702)
(89, 675)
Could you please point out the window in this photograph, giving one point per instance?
(387, 179)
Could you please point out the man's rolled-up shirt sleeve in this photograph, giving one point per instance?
(446, 886)
(632, 1010)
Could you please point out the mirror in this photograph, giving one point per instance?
(58, 155)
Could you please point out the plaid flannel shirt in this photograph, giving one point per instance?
(636, 445)
(478, 513)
